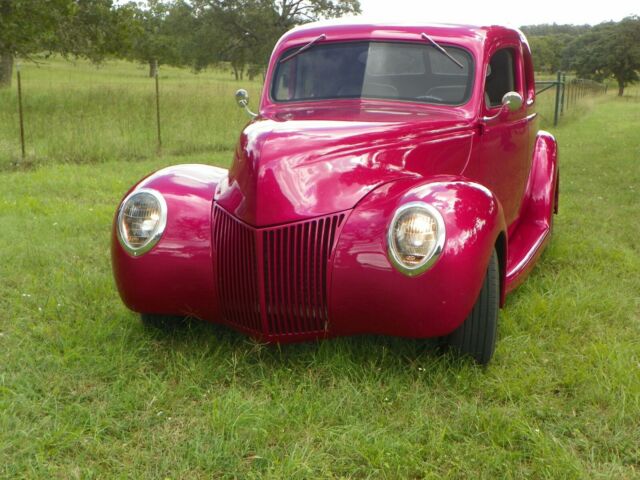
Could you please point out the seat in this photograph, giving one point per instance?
(448, 93)
(371, 89)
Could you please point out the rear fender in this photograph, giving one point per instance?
(541, 194)
(176, 276)
(368, 295)
(530, 234)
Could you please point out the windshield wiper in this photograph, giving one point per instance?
(304, 48)
(440, 49)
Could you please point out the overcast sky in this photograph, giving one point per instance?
(488, 12)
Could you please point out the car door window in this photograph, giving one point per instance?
(500, 77)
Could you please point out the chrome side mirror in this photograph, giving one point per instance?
(242, 98)
(511, 101)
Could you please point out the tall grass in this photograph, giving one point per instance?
(79, 113)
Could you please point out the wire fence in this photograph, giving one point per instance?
(62, 112)
(563, 94)
(77, 113)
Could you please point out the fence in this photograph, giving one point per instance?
(58, 111)
(567, 93)
(74, 112)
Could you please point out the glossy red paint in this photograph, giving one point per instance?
(435, 303)
(326, 159)
(176, 276)
(533, 228)
(290, 243)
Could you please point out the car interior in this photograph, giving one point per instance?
(500, 77)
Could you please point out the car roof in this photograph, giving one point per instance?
(363, 27)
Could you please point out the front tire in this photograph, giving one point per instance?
(476, 337)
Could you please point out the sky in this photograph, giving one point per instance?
(502, 12)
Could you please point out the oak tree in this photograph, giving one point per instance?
(610, 50)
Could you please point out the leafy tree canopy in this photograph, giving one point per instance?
(608, 50)
(89, 28)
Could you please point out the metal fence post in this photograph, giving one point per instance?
(564, 85)
(158, 108)
(20, 112)
(557, 109)
(572, 92)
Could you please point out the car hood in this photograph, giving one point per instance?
(307, 162)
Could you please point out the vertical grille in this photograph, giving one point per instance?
(237, 267)
(295, 275)
(293, 280)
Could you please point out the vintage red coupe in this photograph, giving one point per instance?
(393, 182)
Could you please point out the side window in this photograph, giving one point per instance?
(500, 77)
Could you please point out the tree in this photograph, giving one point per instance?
(547, 29)
(243, 32)
(609, 50)
(295, 12)
(240, 32)
(150, 43)
(71, 27)
(24, 27)
(93, 29)
(547, 51)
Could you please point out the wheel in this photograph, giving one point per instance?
(476, 337)
(162, 322)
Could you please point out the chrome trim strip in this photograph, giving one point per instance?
(159, 230)
(428, 262)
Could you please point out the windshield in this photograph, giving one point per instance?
(402, 71)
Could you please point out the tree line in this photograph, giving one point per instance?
(610, 50)
(191, 33)
(242, 33)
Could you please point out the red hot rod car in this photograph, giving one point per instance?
(394, 181)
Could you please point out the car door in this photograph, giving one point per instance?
(501, 156)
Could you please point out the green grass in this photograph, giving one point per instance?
(87, 392)
(79, 113)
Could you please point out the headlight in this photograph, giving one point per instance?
(141, 220)
(415, 238)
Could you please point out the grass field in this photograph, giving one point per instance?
(87, 392)
(108, 113)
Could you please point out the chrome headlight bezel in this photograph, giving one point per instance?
(157, 231)
(428, 261)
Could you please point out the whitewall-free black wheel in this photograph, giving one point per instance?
(476, 337)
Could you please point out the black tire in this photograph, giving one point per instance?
(476, 337)
(162, 322)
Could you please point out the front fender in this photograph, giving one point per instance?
(368, 295)
(176, 275)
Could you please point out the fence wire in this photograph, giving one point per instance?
(556, 97)
(74, 112)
